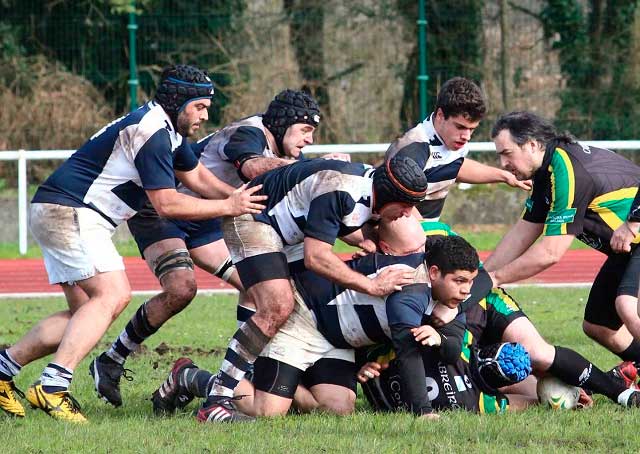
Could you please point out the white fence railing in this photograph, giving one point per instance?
(22, 156)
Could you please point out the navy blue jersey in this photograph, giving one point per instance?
(349, 319)
(318, 198)
(112, 170)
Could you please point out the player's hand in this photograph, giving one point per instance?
(366, 247)
(426, 335)
(370, 370)
(623, 236)
(430, 416)
(390, 280)
(512, 181)
(339, 156)
(243, 201)
(442, 315)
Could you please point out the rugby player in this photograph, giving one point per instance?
(315, 345)
(235, 154)
(76, 210)
(311, 202)
(579, 192)
(440, 145)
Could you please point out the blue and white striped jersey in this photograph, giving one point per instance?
(349, 319)
(441, 165)
(318, 198)
(222, 151)
(112, 170)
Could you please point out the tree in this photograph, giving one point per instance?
(596, 51)
(454, 48)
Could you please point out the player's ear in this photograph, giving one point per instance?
(434, 273)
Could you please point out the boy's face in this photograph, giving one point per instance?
(453, 288)
(456, 130)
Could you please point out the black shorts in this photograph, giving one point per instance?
(488, 319)
(147, 227)
(618, 276)
(281, 379)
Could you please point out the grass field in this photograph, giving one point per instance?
(202, 332)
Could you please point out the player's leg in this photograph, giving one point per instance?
(162, 244)
(77, 248)
(564, 363)
(42, 340)
(332, 383)
(256, 250)
(601, 321)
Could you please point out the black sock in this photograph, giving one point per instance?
(572, 368)
(631, 353)
(197, 381)
(137, 330)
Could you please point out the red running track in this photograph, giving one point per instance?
(29, 276)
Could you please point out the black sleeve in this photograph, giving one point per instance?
(411, 371)
(634, 212)
(452, 334)
(481, 287)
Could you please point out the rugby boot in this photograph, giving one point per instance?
(59, 405)
(171, 395)
(627, 372)
(8, 401)
(221, 409)
(106, 375)
(632, 399)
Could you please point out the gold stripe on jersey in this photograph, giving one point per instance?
(610, 217)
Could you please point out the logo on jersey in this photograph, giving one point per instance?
(561, 217)
(436, 155)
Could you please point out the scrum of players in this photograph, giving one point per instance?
(414, 317)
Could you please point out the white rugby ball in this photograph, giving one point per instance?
(556, 394)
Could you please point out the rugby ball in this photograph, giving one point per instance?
(556, 394)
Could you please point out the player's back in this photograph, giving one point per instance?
(348, 318)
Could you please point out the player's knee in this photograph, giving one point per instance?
(180, 289)
(590, 330)
(344, 406)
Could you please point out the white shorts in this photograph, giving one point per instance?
(75, 242)
(300, 344)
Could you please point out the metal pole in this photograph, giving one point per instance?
(133, 70)
(22, 202)
(422, 49)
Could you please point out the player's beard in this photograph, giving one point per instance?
(184, 127)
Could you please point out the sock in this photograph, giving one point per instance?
(243, 313)
(198, 381)
(244, 348)
(631, 353)
(55, 378)
(9, 368)
(572, 368)
(137, 330)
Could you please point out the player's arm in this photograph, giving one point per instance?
(447, 339)
(253, 166)
(201, 181)
(475, 172)
(320, 258)
(517, 240)
(404, 313)
(538, 257)
(170, 203)
(628, 230)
